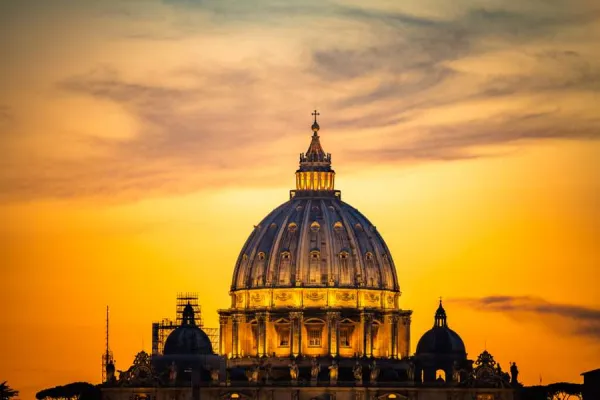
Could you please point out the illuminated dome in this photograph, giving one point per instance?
(315, 240)
(188, 338)
(441, 340)
(315, 278)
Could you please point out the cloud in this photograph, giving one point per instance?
(473, 139)
(577, 320)
(204, 124)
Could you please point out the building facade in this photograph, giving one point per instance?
(315, 313)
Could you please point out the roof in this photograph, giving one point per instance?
(593, 371)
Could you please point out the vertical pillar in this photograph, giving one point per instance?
(406, 320)
(222, 332)
(292, 336)
(296, 331)
(337, 334)
(368, 337)
(361, 338)
(333, 333)
(299, 333)
(261, 346)
(235, 336)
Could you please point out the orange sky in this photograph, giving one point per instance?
(140, 144)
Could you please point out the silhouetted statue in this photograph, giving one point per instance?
(253, 375)
(455, 372)
(294, 371)
(315, 368)
(374, 372)
(410, 372)
(514, 373)
(172, 373)
(214, 375)
(333, 372)
(357, 371)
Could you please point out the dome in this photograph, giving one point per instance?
(441, 340)
(324, 248)
(188, 338)
(315, 241)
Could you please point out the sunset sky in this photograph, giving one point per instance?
(140, 141)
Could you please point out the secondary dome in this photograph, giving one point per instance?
(188, 338)
(441, 340)
(315, 239)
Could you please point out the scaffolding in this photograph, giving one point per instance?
(162, 329)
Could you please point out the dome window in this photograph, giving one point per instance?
(358, 227)
(273, 226)
(338, 227)
(261, 256)
(314, 254)
(369, 256)
(344, 255)
(315, 226)
(285, 255)
(292, 227)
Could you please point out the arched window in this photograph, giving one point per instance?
(440, 375)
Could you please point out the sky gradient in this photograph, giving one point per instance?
(140, 141)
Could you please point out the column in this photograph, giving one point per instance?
(296, 330)
(292, 336)
(406, 320)
(368, 335)
(333, 333)
(222, 328)
(361, 332)
(235, 348)
(337, 334)
(261, 345)
(394, 338)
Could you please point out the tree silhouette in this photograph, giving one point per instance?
(75, 390)
(6, 392)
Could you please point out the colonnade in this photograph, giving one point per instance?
(368, 334)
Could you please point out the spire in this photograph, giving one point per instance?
(440, 317)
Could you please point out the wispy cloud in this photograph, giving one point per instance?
(405, 68)
(577, 320)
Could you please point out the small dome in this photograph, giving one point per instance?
(440, 339)
(187, 340)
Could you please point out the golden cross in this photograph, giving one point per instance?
(315, 115)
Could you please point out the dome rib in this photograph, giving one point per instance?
(354, 246)
(274, 237)
(332, 275)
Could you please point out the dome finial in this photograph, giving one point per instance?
(440, 316)
(189, 317)
(315, 126)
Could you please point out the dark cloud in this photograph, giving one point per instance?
(466, 140)
(578, 320)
